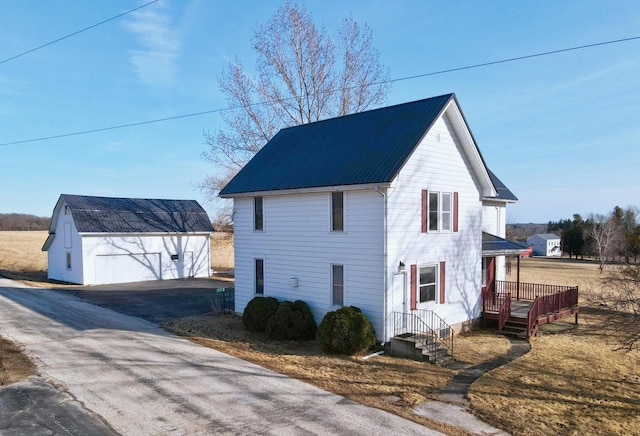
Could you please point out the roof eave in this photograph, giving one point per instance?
(309, 190)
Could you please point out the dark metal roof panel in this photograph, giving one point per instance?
(136, 215)
(503, 192)
(495, 245)
(363, 148)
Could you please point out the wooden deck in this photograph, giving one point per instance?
(522, 308)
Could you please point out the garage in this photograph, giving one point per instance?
(102, 240)
(123, 268)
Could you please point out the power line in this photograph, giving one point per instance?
(400, 79)
(76, 33)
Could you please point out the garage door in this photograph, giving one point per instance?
(122, 268)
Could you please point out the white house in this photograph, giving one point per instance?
(392, 210)
(98, 240)
(545, 244)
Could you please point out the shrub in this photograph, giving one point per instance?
(258, 312)
(292, 321)
(346, 331)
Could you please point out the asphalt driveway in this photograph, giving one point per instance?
(158, 301)
(141, 380)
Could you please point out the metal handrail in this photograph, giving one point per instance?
(426, 328)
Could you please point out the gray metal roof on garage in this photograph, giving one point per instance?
(135, 215)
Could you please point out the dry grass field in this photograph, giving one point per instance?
(572, 382)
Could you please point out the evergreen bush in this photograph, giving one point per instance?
(257, 313)
(346, 331)
(292, 321)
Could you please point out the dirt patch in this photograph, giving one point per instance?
(14, 365)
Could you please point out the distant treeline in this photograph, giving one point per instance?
(21, 221)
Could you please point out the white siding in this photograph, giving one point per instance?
(297, 242)
(57, 253)
(494, 218)
(149, 257)
(438, 164)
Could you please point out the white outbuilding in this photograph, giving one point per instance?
(100, 240)
(545, 244)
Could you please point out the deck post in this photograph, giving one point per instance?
(518, 280)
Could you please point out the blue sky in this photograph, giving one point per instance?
(562, 131)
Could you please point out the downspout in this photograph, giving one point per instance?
(386, 293)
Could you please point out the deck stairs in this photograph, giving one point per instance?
(515, 327)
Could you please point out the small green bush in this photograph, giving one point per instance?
(346, 331)
(292, 321)
(258, 312)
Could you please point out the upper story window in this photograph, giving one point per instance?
(66, 210)
(258, 213)
(337, 211)
(439, 211)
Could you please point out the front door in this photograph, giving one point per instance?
(489, 272)
(399, 303)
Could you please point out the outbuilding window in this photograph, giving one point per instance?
(68, 260)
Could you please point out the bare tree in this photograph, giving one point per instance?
(302, 75)
(603, 233)
(620, 305)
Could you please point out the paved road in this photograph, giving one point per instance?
(141, 380)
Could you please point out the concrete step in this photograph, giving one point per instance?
(408, 346)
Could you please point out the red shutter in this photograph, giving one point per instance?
(425, 210)
(455, 211)
(414, 287)
(442, 282)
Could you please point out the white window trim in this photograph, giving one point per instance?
(440, 212)
(264, 278)
(344, 284)
(344, 214)
(436, 266)
(253, 214)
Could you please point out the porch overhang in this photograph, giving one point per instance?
(493, 245)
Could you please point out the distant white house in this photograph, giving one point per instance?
(545, 244)
(99, 240)
(392, 210)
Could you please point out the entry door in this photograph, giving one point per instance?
(399, 302)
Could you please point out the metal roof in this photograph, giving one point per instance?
(493, 245)
(362, 148)
(503, 192)
(136, 215)
(546, 236)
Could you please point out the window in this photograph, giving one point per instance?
(428, 283)
(337, 211)
(259, 276)
(66, 210)
(68, 260)
(440, 213)
(258, 215)
(337, 285)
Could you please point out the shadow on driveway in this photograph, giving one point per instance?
(159, 301)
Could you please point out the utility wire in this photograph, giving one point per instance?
(76, 33)
(400, 79)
